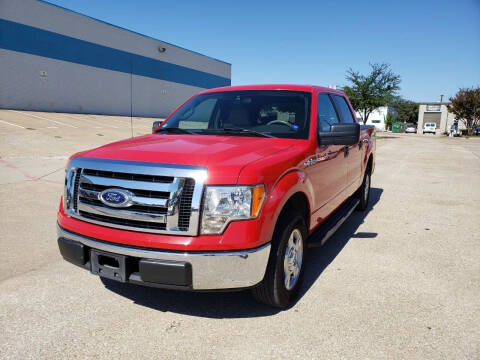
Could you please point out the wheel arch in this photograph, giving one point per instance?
(297, 202)
(293, 191)
(370, 163)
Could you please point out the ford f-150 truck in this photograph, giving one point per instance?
(227, 193)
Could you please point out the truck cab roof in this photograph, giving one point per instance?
(291, 87)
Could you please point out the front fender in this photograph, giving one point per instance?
(368, 138)
(288, 185)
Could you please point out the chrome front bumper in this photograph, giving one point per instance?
(210, 270)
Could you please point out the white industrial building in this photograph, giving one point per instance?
(54, 59)
(378, 116)
(438, 113)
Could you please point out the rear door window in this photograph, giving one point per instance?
(343, 109)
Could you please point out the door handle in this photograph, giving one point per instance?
(361, 142)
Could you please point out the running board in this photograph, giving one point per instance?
(328, 228)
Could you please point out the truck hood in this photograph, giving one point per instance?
(224, 156)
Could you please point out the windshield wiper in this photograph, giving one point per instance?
(174, 130)
(240, 130)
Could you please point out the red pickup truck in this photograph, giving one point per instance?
(227, 193)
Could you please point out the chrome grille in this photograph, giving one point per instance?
(186, 204)
(123, 222)
(126, 176)
(161, 198)
(75, 189)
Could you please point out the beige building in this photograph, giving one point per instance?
(437, 113)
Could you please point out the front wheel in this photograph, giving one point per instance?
(284, 273)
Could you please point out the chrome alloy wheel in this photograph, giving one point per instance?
(292, 262)
(366, 189)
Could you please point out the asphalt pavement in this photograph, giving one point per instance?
(401, 280)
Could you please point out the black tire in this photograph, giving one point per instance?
(273, 290)
(364, 191)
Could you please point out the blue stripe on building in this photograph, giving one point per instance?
(31, 40)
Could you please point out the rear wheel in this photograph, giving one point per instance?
(364, 191)
(284, 273)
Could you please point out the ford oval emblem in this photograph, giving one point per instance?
(115, 197)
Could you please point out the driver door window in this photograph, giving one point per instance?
(343, 109)
(327, 115)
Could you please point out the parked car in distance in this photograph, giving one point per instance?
(227, 193)
(429, 127)
(411, 129)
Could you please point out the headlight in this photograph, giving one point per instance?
(223, 204)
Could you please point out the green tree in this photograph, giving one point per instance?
(466, 107)
(368, 92)
(407, 110)
(389, 120)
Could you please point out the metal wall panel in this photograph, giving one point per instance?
(69, 87)
(54, 59)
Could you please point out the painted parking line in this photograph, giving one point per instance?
(126, 121)
(29, 176)
(139, 122)
(85, 119)
(42, 118)
(122, 121)
(106, 119)
(6, 122)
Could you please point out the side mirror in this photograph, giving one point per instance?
(340, 134)
(155, 125)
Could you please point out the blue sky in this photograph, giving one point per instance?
(433, 45)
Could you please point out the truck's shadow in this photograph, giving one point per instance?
(240, 304)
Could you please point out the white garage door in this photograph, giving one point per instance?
(432, 117)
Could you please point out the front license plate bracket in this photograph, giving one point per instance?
(108, 265)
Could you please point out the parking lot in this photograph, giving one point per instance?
(399, 281)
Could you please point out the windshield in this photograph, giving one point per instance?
(269, 113)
